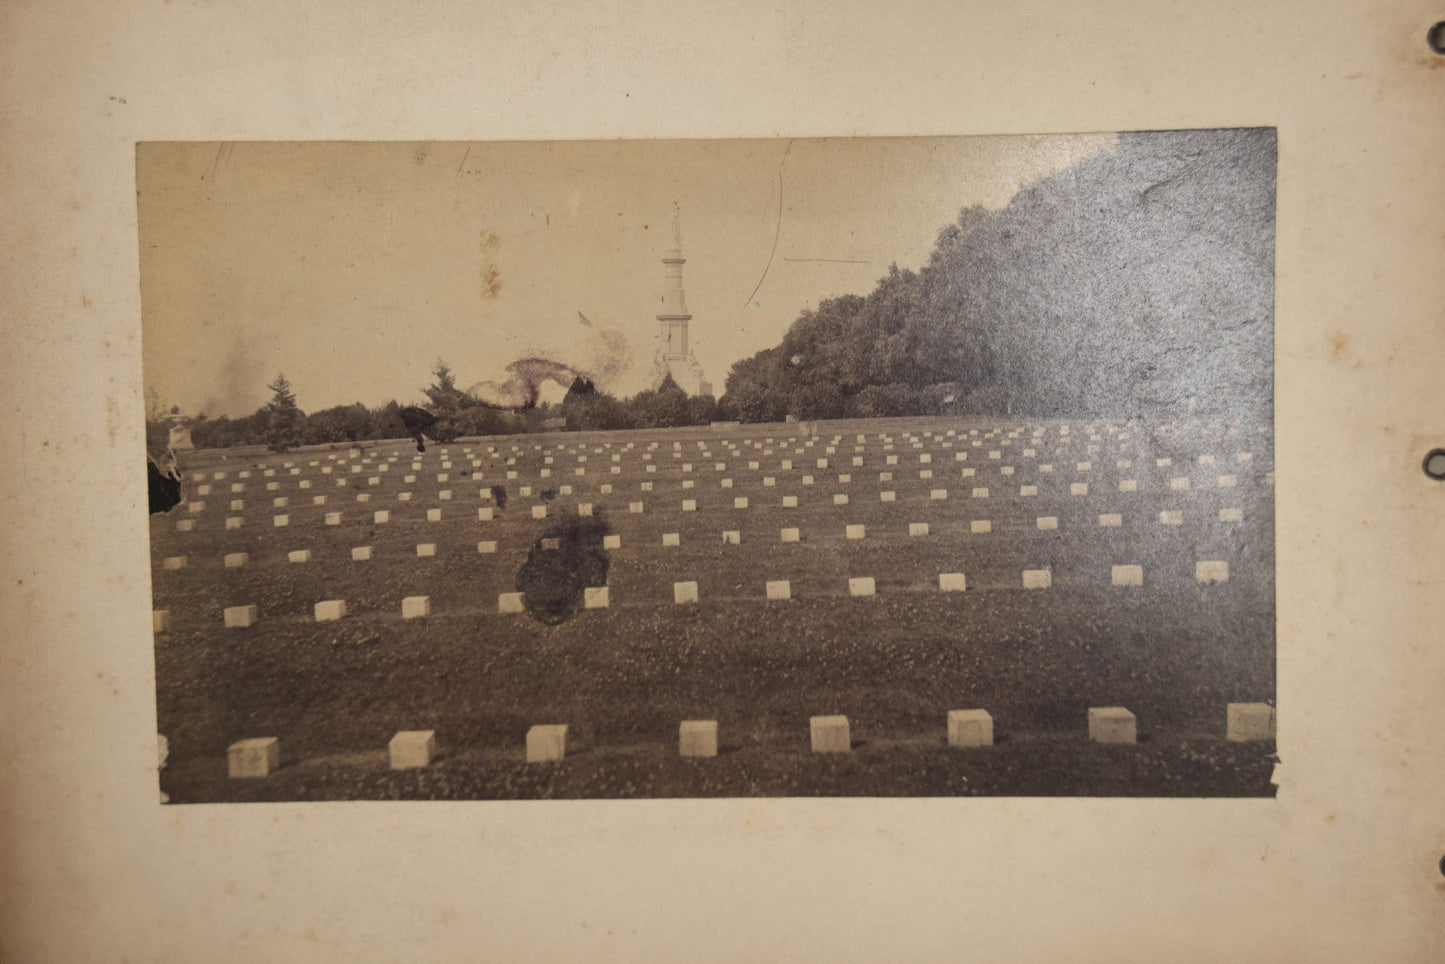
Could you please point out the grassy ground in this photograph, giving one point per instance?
(1174, 651)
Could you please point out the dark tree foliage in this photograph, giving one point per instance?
(664, 408)
(343, 423)
(284, 419)
(1139, 281)
(587, 409)
(226, 432)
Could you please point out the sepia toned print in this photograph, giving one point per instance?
(850, 467)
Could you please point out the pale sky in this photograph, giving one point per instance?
(352, 267)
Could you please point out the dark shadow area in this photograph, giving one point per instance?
(165, 489)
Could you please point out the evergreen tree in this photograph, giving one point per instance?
(284, 418)
(447, 402)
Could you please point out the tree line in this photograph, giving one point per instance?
(280, 424)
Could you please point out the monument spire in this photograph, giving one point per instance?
(674, 355)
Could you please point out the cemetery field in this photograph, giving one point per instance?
(1147, 550)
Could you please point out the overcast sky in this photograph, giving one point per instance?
(353, 267)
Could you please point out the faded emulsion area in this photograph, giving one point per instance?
(566, 559)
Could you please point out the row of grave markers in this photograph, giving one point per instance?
(1064, 434)
(1178, 483)
(734, 449)
(851, 532)
(589, 509)
(683, 593)
(547, 743)
(1224, 480)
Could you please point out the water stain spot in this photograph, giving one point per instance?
(418, 422)
(552, 580)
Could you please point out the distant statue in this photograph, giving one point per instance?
(676, 226)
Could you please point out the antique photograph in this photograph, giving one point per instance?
(840, 467)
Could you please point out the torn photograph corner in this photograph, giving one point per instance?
(845, 467)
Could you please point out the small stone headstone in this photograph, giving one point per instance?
(697, 738)
(1038, 578)
(1211, 571)
(256, 757)
(546, 744)
(779, 589)
(684, 592)
(1127, 576)
(970, 728)
(1112, 724)
(830, 734)
(596, 597)
(1249, 721)
(862, 586)
(412, 748)
(330, 609)
(361, 554)
(415, 607)
(952, 582)
(239, 617)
